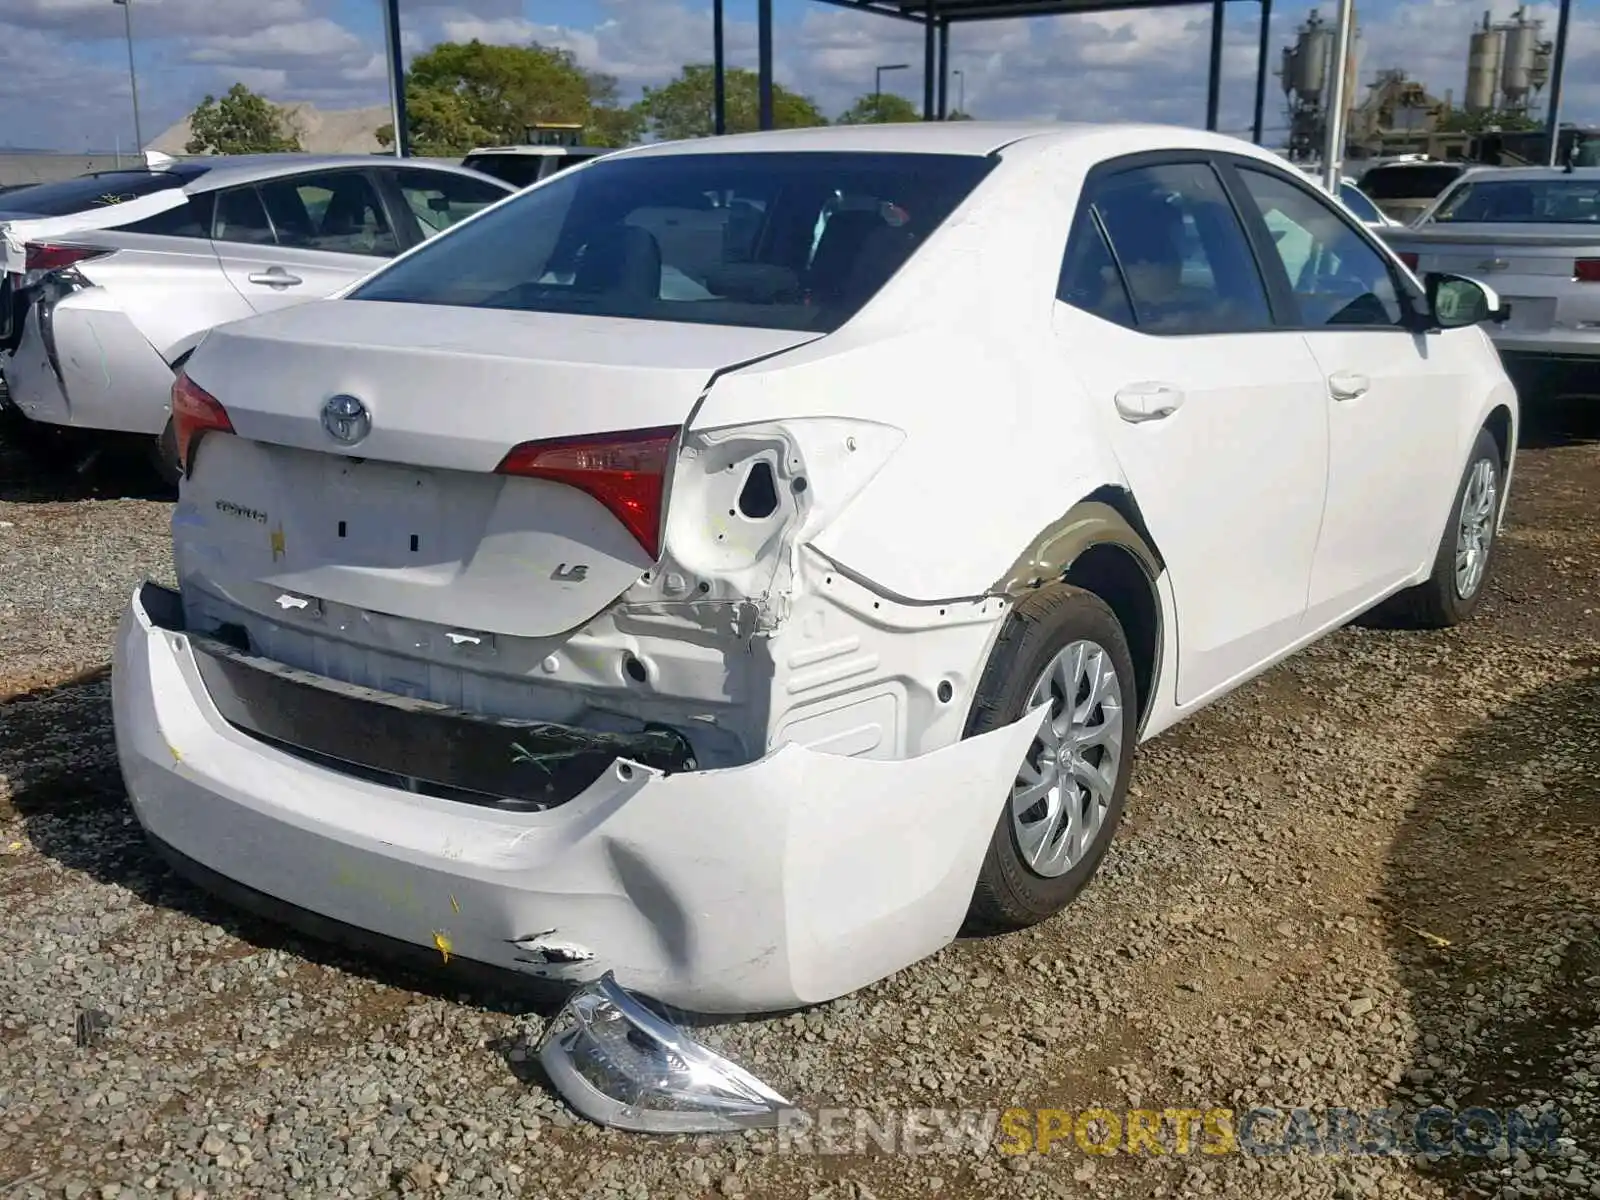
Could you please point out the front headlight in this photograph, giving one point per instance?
(618, 1063)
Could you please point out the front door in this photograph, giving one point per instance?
(1216, 418)
(1392, 399)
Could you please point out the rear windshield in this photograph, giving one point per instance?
(1408, 183)
(1526, 201)
(1357, 203)
(792, 240)
(519, 170)
(67, 196)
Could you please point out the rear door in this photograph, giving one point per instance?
(301, 237)
(1393, 395)
(1215, 416)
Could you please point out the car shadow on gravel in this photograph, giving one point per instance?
(1492, 904)
(40, 467)
(58, 757)
(1556, 418)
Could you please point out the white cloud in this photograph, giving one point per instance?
(59, 58)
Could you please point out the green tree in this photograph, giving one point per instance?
(880, 108)
(955, 114)
(1459, 120)
(241, 122)
(465, 94)
(682, 108)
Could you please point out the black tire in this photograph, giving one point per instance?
(164, 457)
(1438, 603)
(1009, 893)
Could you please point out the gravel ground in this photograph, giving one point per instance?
(1368, 879)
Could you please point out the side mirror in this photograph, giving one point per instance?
(1455, 301)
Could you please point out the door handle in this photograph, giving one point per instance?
(1147, 401)
(274, 277)
(1348, 385)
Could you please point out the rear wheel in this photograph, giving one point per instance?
(1062, 647)
(1461, 564)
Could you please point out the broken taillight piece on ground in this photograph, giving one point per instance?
(618, 1063)
(626, 472)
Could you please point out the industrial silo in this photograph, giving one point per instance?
(1522, 57)
(1485, 53)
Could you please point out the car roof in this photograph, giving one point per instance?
(976, 138)
(547, 151)
(233, 169)
(1525, 174)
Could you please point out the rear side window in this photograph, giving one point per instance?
(241, 217)
(519, 170)
(188, 220)
(789, 240)
(67, 196)
(1089, 276)
(1183, 256)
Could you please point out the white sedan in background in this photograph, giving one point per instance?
(102, 316)
(740, 645)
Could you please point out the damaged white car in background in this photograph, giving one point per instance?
(722, 573)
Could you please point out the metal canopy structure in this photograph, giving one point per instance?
(936, 16)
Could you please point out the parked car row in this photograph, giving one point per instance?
(109, 281)
(1534, 232)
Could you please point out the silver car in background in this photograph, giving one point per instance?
(1533, 234)
(107, 315)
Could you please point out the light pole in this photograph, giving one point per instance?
(877, 75)
(133, 79)
(961, 91)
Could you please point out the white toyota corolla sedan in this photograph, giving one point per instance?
(739, 566)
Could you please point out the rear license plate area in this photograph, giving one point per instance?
(380, 515)
(1530, 312)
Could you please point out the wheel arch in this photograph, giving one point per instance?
(1102, 545)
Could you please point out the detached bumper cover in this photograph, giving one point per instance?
(790, 881)
(103, 373)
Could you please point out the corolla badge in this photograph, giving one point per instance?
(346, 419)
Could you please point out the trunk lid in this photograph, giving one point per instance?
(412, 523)
(1491, 250)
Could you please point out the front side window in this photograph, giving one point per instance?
(714, 238)
(338, 212)
(1560, 201)
(1337, 278)
(438, 199)
(1183, 256)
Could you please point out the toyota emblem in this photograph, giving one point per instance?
(346, 419)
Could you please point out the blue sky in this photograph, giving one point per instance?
(64, 81)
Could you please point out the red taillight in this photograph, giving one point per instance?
(626, 472)
(194, 411)
(1410, 259)
(45, 256)
(1586, 270)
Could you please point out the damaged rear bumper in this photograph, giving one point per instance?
(790, 881)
